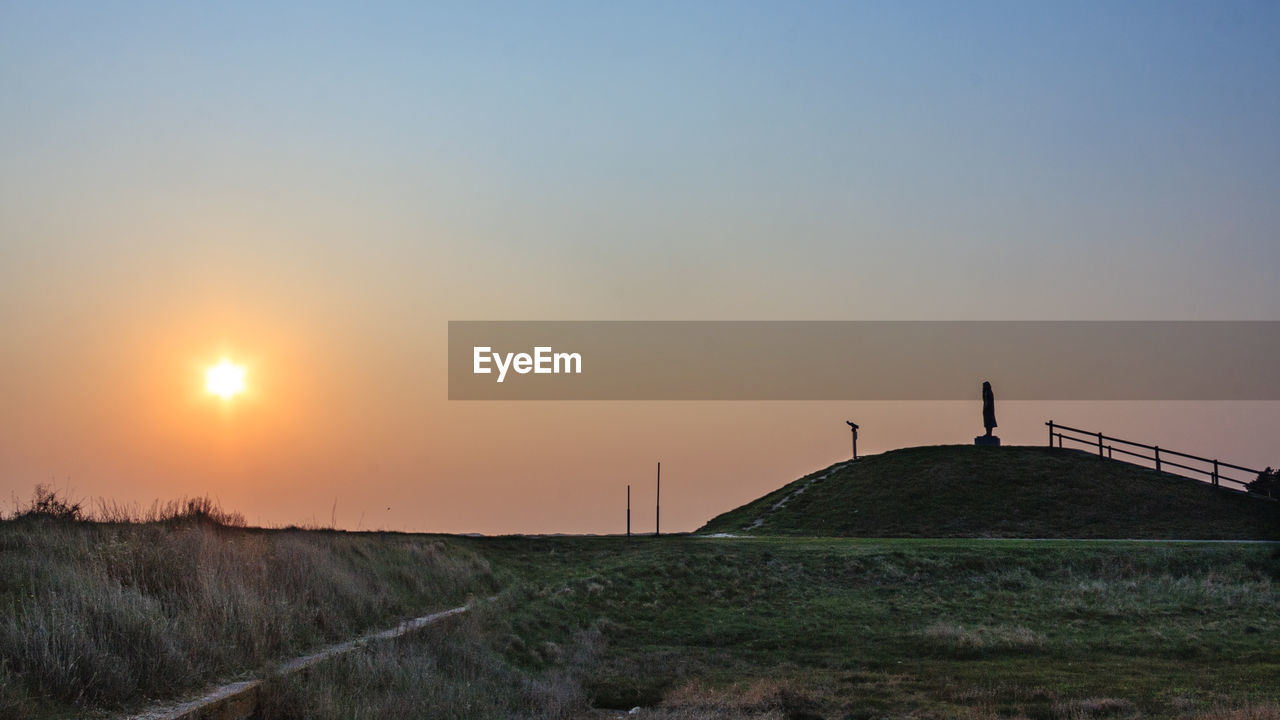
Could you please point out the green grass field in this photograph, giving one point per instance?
(898, 628)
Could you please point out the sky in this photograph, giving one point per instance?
(316, 189)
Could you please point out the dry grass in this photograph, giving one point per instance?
(1268, 711)
(111, 615)
(446, 671)
(183, 509)
(47, 503)
(981, 638)
(760, 699)
(1096, 707)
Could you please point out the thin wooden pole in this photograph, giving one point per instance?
(1050, 433)
(1157, 458)
(657, 505)
(1099, 444)
(628, 511)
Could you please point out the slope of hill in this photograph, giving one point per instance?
(967, 491)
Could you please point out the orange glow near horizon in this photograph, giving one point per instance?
(226, 379)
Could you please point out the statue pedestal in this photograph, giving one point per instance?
(984, 440)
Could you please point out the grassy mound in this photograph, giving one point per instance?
(967, 491)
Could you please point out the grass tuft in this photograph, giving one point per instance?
(978, 639)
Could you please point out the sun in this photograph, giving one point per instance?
(226, 379)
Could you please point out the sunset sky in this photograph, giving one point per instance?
(314, 190)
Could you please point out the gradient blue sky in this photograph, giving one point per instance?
(324, 185)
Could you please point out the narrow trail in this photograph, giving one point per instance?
(239, 700)
(795, 493)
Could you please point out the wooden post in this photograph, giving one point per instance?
(1157, 458)
(1050, 433)
(1215, 473)
(1108, 452)
(657, 505)
(628, 511)
(1099, 444)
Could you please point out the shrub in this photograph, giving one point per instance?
(1267, 483)
(48, 505)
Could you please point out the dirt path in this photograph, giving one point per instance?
(238, 700)
(795, 493)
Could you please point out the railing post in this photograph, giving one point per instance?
(1050, 433)
(1108, 452)
(1215, 473)
(1157, 458)
(1099, 444)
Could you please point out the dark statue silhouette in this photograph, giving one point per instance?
(988, 408)
(988, 417)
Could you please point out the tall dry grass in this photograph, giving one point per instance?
(110, 615)
(954, 638)
(450, 671)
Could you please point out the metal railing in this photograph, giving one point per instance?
(1214, 471)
